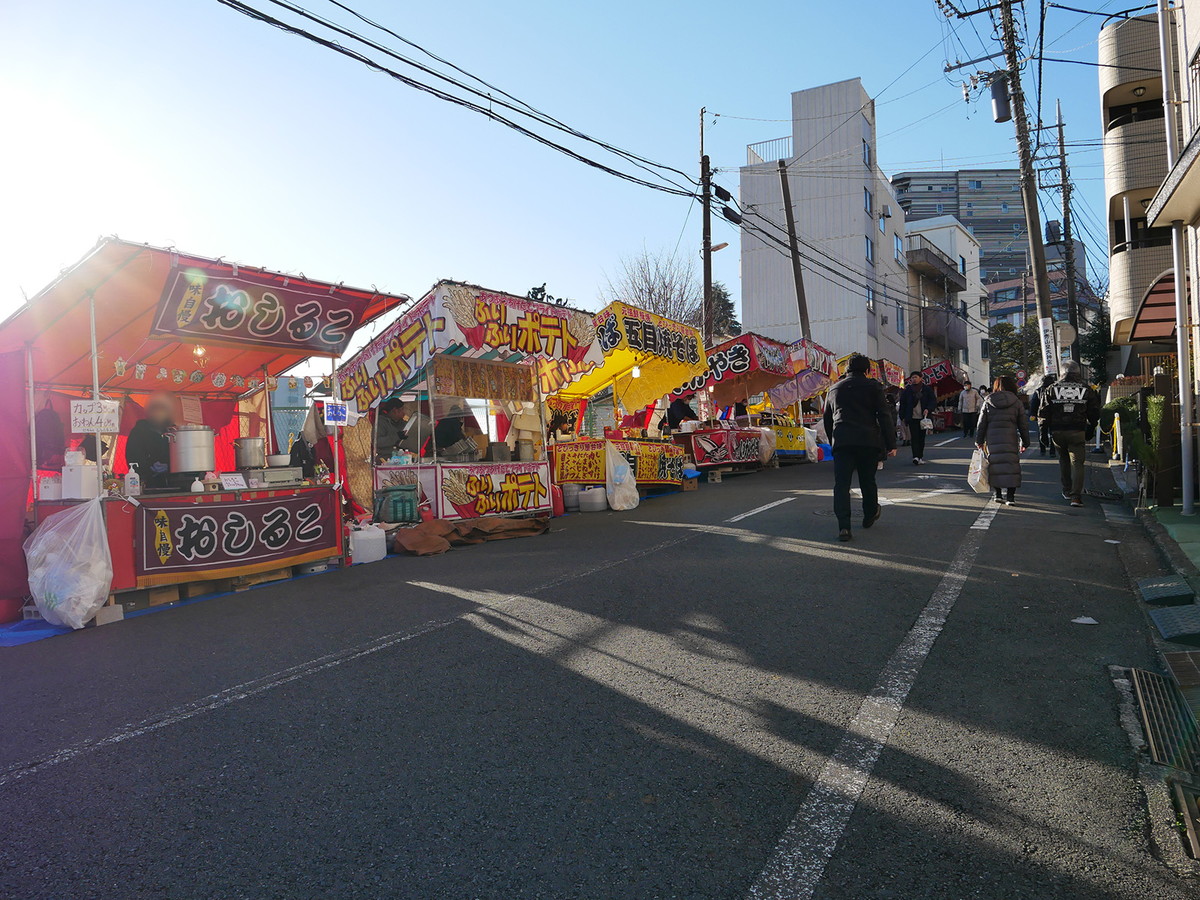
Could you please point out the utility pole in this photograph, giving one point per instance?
(706, 244)
(1029, 191)
(1069, 246)
(793, 244)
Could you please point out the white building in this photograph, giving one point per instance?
(862, 296)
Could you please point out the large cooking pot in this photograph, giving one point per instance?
(250, 452)
(192, 449)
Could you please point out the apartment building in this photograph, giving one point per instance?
(847, 220)
(943, 272)
(1135, 164)
(986, 201)
(1012, 300)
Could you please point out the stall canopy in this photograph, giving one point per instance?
(645, 357)
(189, 324)
(741, 367)
(813, 368)
(472, 322)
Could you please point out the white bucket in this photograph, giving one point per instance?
(593, 500)
(570, 496)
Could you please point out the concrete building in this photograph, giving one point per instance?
(986, 201)
(1135, 164)
(943, 271)
(844, 207)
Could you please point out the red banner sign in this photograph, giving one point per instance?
(211, 306)
(181, 535)
(724, 448)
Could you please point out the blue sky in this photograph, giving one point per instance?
(183, 123)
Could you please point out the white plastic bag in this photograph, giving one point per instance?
(977, 475)
(621, 484)
(70, 568)
(766, 445)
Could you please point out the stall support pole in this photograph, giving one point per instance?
(337, 436)
(267, 398)
(32, 399)
(96, 390)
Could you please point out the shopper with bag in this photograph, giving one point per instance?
(1002, 436)
(917, 401)
(860, 428)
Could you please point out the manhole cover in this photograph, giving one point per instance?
(827, 513)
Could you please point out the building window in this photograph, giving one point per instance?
(983, 307)
(966, 356)
(899, 248)
(870, 299)
(941, 208)
(947, 187)
(882, 225)
(867, 198)
(1004, 207)
(975, 185)
(971, 230)
(985, 348)
(900, 317)
(866, 152)
(1012, 271)
(870, 250)
(1014, 188)
(962, 265)
(929, 187)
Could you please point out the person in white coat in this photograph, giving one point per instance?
(969, 402)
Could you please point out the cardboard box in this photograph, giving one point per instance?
(166, 594)
(205, 588)
(109, 614)
(691, 484)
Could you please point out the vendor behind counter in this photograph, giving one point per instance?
(148, 446)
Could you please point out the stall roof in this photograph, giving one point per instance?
(743, 366)
(147, 340)
(665, 354)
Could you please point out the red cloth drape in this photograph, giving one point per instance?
(15, 477)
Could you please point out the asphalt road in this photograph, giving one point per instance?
(637, 705)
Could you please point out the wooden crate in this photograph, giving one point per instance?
(204, 588)
(242, 582)
(168, 593)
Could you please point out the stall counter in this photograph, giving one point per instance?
(655, 463)
(713, 448)
(168, 538)
(470, 490)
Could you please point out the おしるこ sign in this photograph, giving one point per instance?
(205, 304)
(92, 416)
(185, 536)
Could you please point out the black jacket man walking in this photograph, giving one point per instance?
(858, 421)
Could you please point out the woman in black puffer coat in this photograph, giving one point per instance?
(1003, 434)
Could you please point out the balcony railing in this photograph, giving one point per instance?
(924, 257)
(769, 151)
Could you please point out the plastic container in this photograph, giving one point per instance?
(570, 497)
(556, 501)
(593, 500)
(133, 482)
(368, 544)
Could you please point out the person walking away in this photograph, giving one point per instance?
(969, 402)
(1070, 410)
(860, 427)
(1035, 404)
(1003, 435)
(917, 401)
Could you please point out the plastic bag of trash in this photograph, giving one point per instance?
(977, 475)
(70, 567)
(621, 484)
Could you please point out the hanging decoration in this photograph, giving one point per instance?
(272, 383)
(308, 382)
(119, 365)
(292, 383)
(218, 380)
(239, 381)
(177, 376)
(162, 374)
(139, 371)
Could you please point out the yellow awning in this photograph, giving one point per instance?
(661, 353)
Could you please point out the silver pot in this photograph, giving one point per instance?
(250, 452)
(192, 449)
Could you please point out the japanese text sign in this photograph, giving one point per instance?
(212, 305)
(182, 535)
(470, 491)
(92, 416)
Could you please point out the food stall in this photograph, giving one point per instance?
(491, 355)
(737, 369)
(131, 326)
(644, 356)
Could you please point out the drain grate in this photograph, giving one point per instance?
(1171, 729)
(1187, 798)
(1185, 666)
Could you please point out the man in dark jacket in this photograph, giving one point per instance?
(917, 401)
(1070, 410)
(1035, 403)
(859, 424)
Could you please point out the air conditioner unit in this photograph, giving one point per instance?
(887, 211)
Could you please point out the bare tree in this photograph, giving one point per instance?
(662, 283)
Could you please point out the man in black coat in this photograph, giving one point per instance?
(917, 401)
(1070, 410)
(858, 421)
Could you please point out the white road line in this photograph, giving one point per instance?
(948, 441)
(257, 686)
(758, 509)
(798, 861)
(928, 495)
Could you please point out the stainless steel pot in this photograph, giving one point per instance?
(250, 452)
(192, 449)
